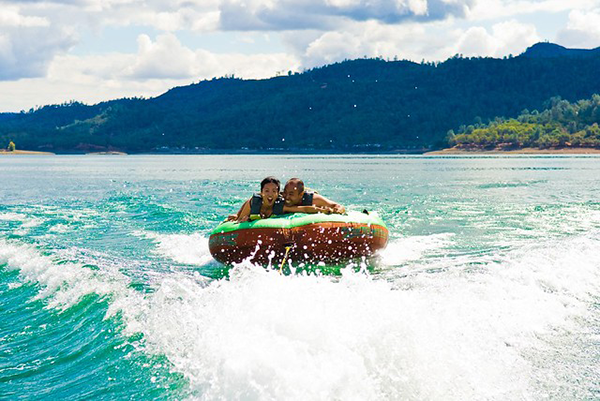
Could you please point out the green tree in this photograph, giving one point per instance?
(451, 138)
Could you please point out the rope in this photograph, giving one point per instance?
(287, 251)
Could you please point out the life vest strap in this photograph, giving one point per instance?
(256, 204)
(307, 198)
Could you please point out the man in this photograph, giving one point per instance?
(295, 195)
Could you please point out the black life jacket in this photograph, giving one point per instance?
(307, 198)
(256, 203)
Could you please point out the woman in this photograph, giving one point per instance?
(268, 203)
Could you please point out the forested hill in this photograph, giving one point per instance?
(562, 124)
(365, 104)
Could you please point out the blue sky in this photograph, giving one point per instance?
(52, 51)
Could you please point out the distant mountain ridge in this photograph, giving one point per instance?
(355, 105)
(549, 50)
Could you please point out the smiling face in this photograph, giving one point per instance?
(292, 195)
(269, 193)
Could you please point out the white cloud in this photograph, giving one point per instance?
(168, 58)
(11, 17)
(197, 15)
(199, 20)
(165, 58)
(502, 9)
(514, 37)
(510, 37)
(332, 47)
(276, 15)
(306, 14)
(157, 67)
(28, 44)
(477, 40)
(412, 41)
(582, 30)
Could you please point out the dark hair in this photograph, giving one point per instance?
(270, 180)
(297, 182)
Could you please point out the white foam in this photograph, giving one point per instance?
(402, 250)
(27, 222)
(266, 336)
(449, 335)
(10, 216)
(59, 228)
(182, 248)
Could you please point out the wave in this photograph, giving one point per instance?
(64, 284)
(517, 184)
(444, 334)
(24, 222)
(182, 248)
(61, 331)
(402, 250)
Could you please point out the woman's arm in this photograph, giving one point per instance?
(242, 215)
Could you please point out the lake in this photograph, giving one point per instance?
(489, 287)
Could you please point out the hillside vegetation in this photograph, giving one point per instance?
(358, 105)
(562, 124)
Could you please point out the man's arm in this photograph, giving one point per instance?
(321, 201)
(307, 209)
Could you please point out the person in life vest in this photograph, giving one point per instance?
(268, 203)
(295, 195)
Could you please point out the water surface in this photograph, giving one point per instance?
(489, 288)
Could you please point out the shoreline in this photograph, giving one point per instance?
(521, 151)
(25, 152)
(232, 152)
(108, 153)
(442, 152)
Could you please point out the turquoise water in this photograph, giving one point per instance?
(488, 290)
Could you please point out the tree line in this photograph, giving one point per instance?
(560, 124)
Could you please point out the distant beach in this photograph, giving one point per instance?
(33, 152)
(442, 152)
(521, 151)
(23, 152)
(111, 153)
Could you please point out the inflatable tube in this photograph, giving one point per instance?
(311, 238)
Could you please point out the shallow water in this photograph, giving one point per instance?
(489, 288)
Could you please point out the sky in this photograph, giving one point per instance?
(55, 51)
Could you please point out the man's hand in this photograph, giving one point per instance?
(324, 209)
(339, 209)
